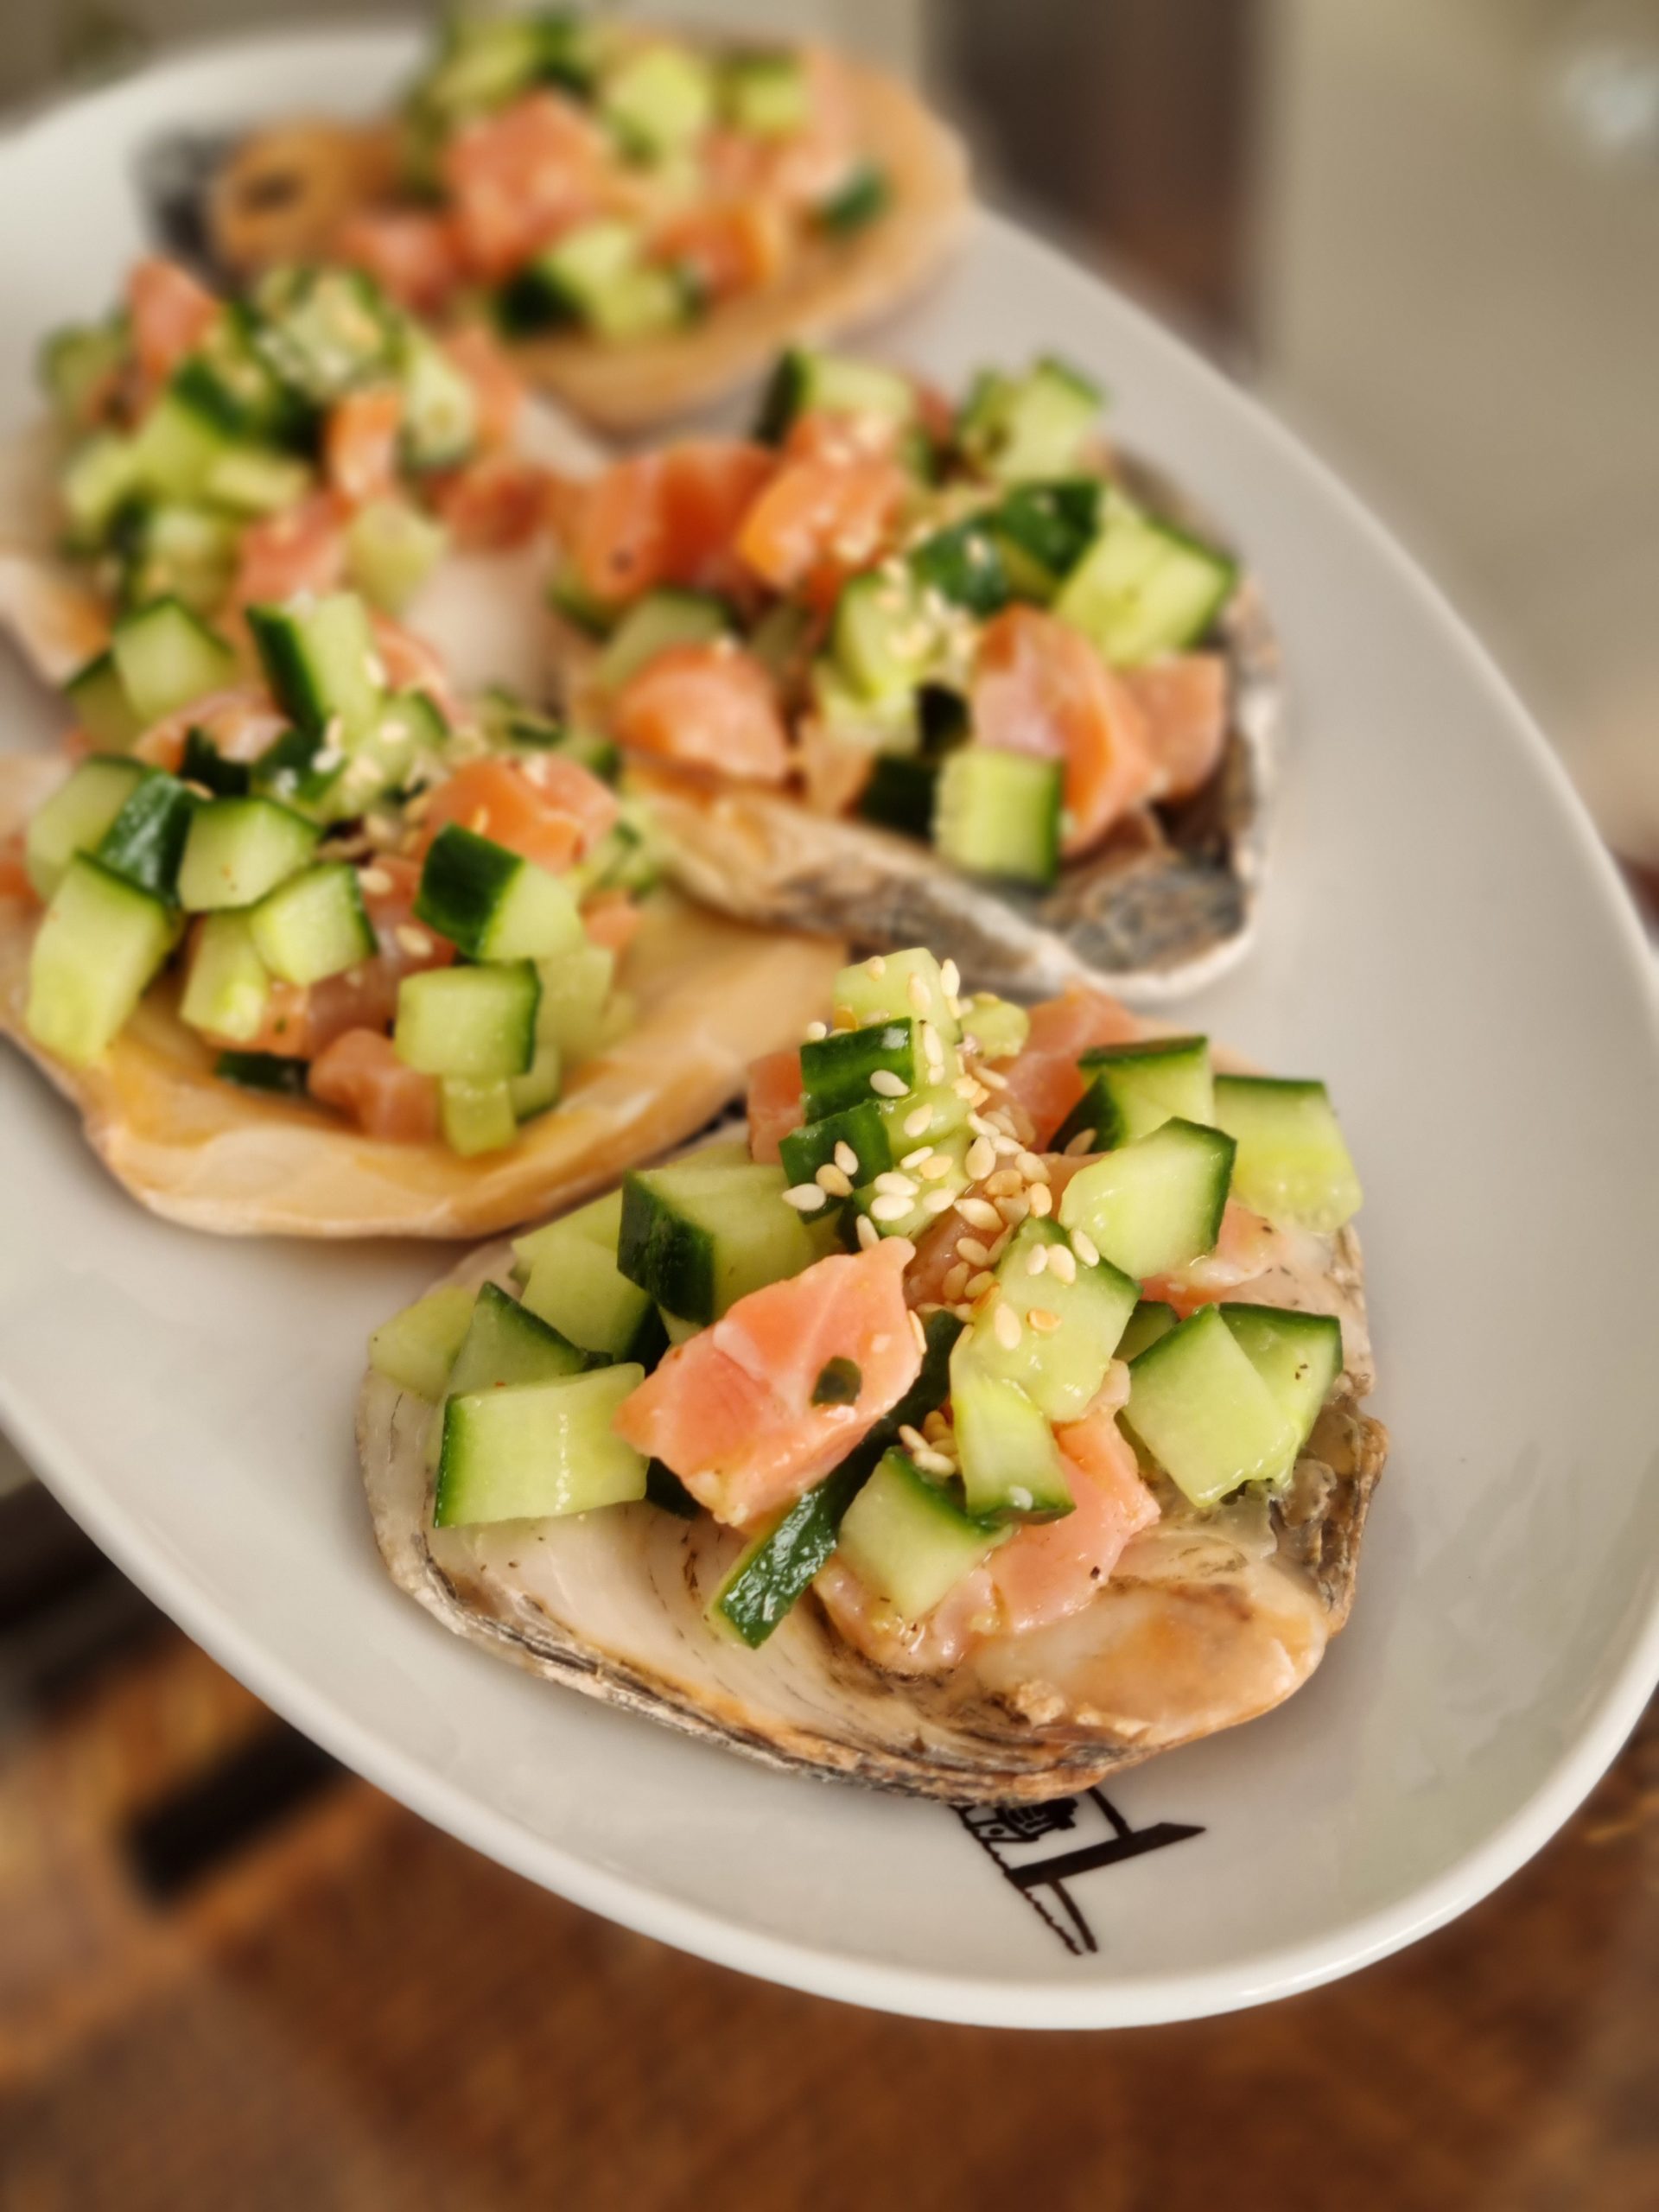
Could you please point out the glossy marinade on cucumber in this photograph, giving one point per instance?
(645, 214)
(983, 1417)
(900, 660)
(320, 945)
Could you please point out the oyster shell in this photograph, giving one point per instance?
(1207, 1621)
(1163, 907)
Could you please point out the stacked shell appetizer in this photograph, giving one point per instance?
(905, 668)
(648, 216)
(986, 1418)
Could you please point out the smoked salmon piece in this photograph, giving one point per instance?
(1183, 703)
(708, 706)
(731, 1410)
(775, 1105)
(361, 1074)
(549, 810)
(1044, 1079)
(1055, 1567)
(171, 313)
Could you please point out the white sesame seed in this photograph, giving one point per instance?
(1037, 1259)
(971, 1248)
(956, 1281)
(950, 977)
(868, 1235)
(1085, 1247)
(939, 1201)
(936, 1165)
(980, 1126)
(829, 1178)
(919, 1331)
(890, 1179)
(374, 880)
(1006, 1324)
(918, 1123)
(982, 1158)
(1033, 1169)
(1014, 1211)
(916, 992)
(966, 1087)
(995, 1081)
(845, 1158)
(886, 1084)
(414, 942)
(805, 1197)
(891, 1206)
(1043, 1320)
(1060, 1262)
(915, 1158)
(1004, 1183)
(981, 1214)
(912, 1439)
(875, 965)
(934, 1463)
(1084, 1142)
(1040, 1199)
(817, 1031)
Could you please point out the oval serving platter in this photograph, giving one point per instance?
(1440, 935)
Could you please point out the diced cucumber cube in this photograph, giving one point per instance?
(493, 904)
(863, 194)
(505, 1345)
(575, 997)
(97, 479)
(100, 943)
(570, 282)
(416, 1349)
(1293, 1164)
(572, 1280)
(1011, 1466)
(994, 1028)
(175, 448)
(807, 382)
(101, 705)
(768, 95)
(1152, 1318)
(1144, 588)
(174, 551)
(1134, 1089)
(883, 1060)
(699, 1235)
(1154, 1204)
(905, 1541)
(252, 481)
(772, 1572)
(440, 412)
(229, 985)
(77, 363)
(313, 926)
(540, 1085)
(998, 814)
(857, 1130)
(538, 1450)
(1298, 1356)
(74, 820)
(661, 101)
(477, 1116)
(962, 564)
(897, 986)
(165, 657)
(1200, 1407)
(146, 840)
(1031, 426)
(475, 1023)
(238, 850)
(321, 663)
(655, 622)
(391, 550)
(324, 330)
(1069, 1320)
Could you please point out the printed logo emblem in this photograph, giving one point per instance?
(1013, 1836)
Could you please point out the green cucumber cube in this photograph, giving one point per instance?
(314, 924)
(477, 1116)
(883, 1060)
(477, 1024)
(492, 903)
(238, 849)
(101, 705)
(1154, 1204)
(905, 1541)
(74, 820)
(698, 1235)
(1143, 588)
(575, 1001)
(1134, 1089)
(1205, 1415)
(1152, 1318)
(1011, 1466)
(1038, 425)
(99, 946)
(1294, 1165)
(229, 985)
(416, 1349)
(538, 1450)
(896, 986)
(572, 1280)
(166, 657)
(654, 622)
(1070, 1318)
(1298, 1356)
(998, 814)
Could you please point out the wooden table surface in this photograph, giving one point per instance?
(231, 1976)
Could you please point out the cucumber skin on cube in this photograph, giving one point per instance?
(1011, 1466)
(276, 1075)
(492, 903)
(901, 794)
(1143, 588)
(477, 1116)
(145, 843)
(102, 706)
(769, 1574)
(881, 990)
(835, 1071)
(1298, 1356)
(1059, 1369)
(803, 1151)
(1132, 1090)
(238, 849)
(1154, 1204)
(1043, 530)
(506, 1345)
(415, 1349)
(475, 1023)
(836, 384)
(700, 1238)
(1200, 1407)
(571, 1279)
(963, 563)
(229, 985)
(74, 820)
(1293, 1164)
(1152, 1318)
(98, 949)
(538, 1450)
(166, 657)
(654, 622)
(854, 206)
(319, 660)
(313, 925)
(1033, 426)
(905, 1541)
(997, 814)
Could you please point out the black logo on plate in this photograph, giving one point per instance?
(1011, 1835)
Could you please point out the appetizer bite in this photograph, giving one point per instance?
(986, 1420)
(309, 437)
(897, 668)
(328, 952)
(648, 216)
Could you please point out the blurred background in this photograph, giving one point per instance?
(1428, 231)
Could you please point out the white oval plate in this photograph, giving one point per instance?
(1441, 938)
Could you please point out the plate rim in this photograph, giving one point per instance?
(1131, 2000)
